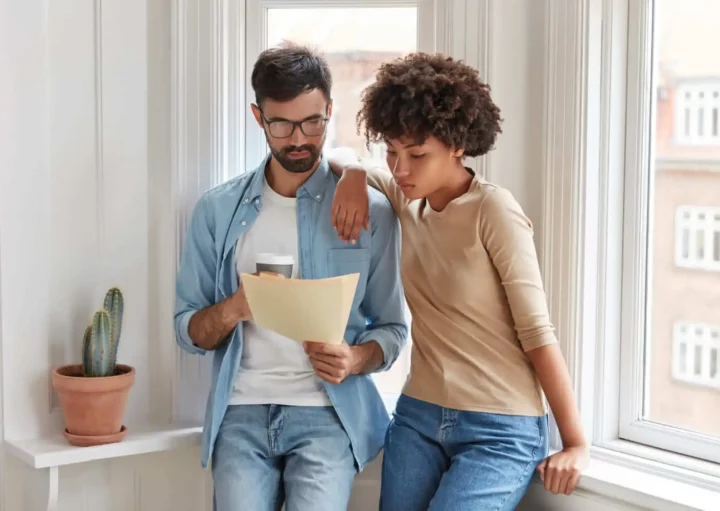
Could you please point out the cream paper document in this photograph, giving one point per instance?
(302, 309)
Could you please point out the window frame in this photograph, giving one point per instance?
(638, 215)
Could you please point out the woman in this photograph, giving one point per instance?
(470, 427)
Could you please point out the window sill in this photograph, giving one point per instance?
(55, 451)
(630, 480)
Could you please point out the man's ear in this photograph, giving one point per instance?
(256, 113)
(329, 108)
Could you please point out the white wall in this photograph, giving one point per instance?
(85, 200)
(74, 204)
(85, 184)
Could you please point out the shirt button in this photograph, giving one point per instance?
(243, 222)
(257, 201)
(318, 197)
(246, 201)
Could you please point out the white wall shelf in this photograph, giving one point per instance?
(55, 451)
(52, 452)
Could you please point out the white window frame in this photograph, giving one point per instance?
(687, 220)
(638, 188)
(597, 118)
(687, 113)
(687, 339)
(430, 39)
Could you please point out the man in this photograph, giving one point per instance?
(284, 421)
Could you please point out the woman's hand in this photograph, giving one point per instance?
(351, 207)
(561, 471)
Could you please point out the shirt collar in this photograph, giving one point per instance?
(316, 184)
(313, 187)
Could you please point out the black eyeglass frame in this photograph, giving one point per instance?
(295, 124)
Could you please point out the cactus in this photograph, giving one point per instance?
(114, 304)
(102, 336)
(97, 346)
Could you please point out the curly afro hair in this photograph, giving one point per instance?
(423, 95)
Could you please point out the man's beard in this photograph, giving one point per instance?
(296, 165)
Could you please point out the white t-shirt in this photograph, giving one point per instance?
(273, 368)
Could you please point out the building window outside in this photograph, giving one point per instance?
(696, 354)
(697, 241)
(698, 114)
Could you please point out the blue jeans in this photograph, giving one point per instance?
(267, 454)
(438, 458)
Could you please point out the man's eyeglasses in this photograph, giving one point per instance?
(284, 129)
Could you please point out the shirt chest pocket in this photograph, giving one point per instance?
(344, 261)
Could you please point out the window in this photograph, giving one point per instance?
(356, 41)
(669, 393)
(697, 243)
(696, 354)
(698, 111)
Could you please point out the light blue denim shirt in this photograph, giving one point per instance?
(208, 275)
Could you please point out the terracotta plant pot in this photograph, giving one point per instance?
(93, 407)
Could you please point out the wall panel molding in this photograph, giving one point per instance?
(570, 171)
(98, 94)
(207, 62)
(470, 36)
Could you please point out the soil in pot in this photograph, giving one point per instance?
(93, 407)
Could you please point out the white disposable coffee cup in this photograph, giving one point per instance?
(275, 263)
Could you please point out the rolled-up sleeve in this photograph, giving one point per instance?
(384, 302)
(195, 283)
(507, 234)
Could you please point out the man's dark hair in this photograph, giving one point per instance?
(424, 95)
(284, 72)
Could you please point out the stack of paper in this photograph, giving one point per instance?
(302, 309)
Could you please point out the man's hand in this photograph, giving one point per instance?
(332, 362)
(335, 362)
(210, 327)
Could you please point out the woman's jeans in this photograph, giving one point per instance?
(438, 458)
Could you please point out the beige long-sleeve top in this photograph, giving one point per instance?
(476, 296)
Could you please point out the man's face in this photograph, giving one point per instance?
(296, 147)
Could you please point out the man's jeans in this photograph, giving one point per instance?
(442, 459)
(269, 454)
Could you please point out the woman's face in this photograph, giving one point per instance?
(419, 169)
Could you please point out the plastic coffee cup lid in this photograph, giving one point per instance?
(275, 259)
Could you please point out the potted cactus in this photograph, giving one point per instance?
(93, 395)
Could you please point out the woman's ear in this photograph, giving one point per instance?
(458, 153)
